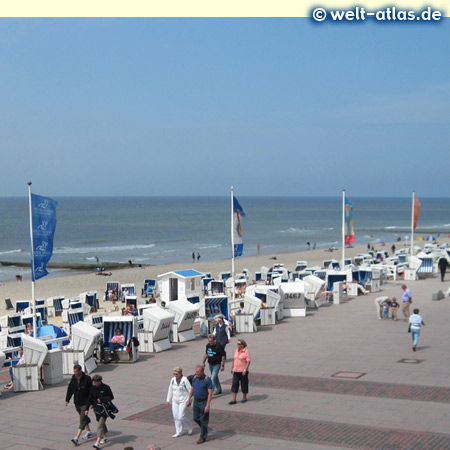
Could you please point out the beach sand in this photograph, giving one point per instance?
(72, 285)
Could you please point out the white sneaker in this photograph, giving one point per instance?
(75, 440)
(87, 435)
(190, 431)
(96, 445)
(176, 435)
(103, 441)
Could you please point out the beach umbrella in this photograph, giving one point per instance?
(54, 332)
(419, 238)
(431, 238)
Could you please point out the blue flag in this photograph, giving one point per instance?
(43, 212)
(237, 230)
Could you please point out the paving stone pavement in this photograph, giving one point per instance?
(295, 400)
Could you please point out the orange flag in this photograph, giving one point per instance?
(416, 212)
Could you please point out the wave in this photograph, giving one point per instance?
(205, 246)
(305, 230)
(114, 248)
(9, 252)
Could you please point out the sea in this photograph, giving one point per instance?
(159, 230)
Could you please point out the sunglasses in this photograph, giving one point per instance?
(240, 343)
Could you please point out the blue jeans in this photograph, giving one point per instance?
(201, 418)
(215, 369)
(415, 333)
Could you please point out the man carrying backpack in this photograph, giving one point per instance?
(201, 390)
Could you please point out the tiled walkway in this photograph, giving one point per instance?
(296, 399)
(347, 387)
(311, 431)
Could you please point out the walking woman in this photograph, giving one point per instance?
(415, 323)
(241, 363)
(178, 395)
(100, 399)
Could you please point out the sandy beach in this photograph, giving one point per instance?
(74, 284)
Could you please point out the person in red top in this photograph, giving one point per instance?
(241, 363)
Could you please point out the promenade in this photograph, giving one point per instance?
(339, 378)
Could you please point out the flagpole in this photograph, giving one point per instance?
(343, 229)
(232, 240)
(32, 262)
(412, 223)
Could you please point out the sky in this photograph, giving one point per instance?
(280, 107)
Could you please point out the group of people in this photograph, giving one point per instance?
(384, 305)
(193, 257)
(200, 389)
(91, 394)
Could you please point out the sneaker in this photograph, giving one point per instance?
(103, 441)
(177, 435)
(87, 435)
(190, 431)
(233, 402)
(96, 445)
(217, 393)
(74, 440)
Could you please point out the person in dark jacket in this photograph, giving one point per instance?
(100, 396)
(443, 264)
(80, 387)
(221, 331)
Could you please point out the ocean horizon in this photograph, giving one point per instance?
(164, 230)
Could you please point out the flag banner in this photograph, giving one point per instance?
(237, 230)
(416, 212)
(349, 231)
(43, 211)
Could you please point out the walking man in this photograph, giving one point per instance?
(202, 392)
(80, 387)
(443, 264)
(215, 355)
(407, 300)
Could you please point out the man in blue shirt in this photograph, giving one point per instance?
(406, 300)
(201, 390)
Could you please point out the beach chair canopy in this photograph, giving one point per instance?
(34, 350)
(219, 302)
(127, 324)
(85, 337)
(21, 305)
(184, 313)
(158, 321)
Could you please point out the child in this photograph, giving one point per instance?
(394, 308)
(386, 306)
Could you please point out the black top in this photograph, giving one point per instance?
(80, 389)
(103, 392)
(215, 353)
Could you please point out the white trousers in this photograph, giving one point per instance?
(178, 411)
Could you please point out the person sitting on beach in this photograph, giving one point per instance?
(124, 294)
(241, 309)
(127, 311)
(21, 361)
(117, 341)
(29, 329)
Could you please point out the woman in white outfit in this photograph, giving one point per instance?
(178, 395)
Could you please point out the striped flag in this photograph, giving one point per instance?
(237, 229)
(349, 231)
